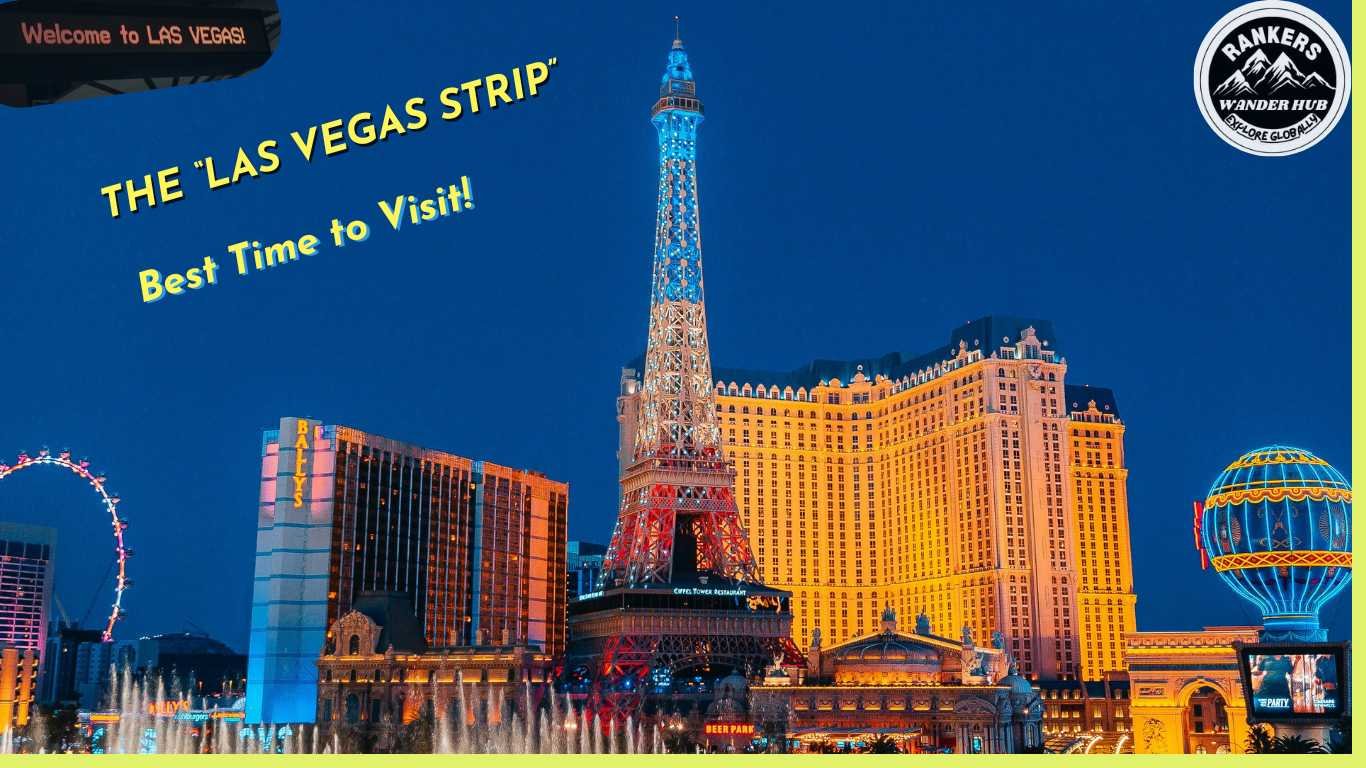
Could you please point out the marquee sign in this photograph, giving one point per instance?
(709, 592)
(728, 729)
(55, 41)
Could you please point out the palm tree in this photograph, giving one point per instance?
(882, 745)
(1259, 740)
(1296, 745)
(679, 743)
(415, 738)
(358, 738)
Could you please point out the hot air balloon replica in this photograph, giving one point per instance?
(1276, 527)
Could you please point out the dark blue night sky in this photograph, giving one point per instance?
(871, 177)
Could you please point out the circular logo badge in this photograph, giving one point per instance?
(1272, 78)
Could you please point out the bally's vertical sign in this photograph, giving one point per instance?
(300, 454)
(296, 466)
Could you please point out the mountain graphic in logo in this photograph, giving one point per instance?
(1256, 64)
(1272, 78)
(1259, 76)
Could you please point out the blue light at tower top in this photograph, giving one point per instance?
(677, 90)
(1276, 526)
(678, 60)
(679, 69)
(676, 116)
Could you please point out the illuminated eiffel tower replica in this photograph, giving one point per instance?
(681, 605)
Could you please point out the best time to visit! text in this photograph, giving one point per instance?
(246, 256)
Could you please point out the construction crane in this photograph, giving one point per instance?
(66, 620)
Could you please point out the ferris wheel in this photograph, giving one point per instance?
(97, 481)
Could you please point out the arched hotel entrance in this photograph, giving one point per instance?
(1187, 693)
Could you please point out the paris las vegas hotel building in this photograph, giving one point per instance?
(972, 483)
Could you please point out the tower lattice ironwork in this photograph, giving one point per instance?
(680, 602)
(678, 514)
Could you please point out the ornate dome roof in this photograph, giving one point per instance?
(887, 648)
(730, 691)
(733, 685)
(1020, 688)
(1018, 684)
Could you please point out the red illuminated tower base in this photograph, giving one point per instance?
(680, 608)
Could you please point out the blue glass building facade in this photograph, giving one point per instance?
(290, 589)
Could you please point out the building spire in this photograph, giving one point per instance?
(677, 78)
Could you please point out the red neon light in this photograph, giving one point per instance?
(1199, 540)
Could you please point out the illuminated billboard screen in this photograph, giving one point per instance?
(1304, 681)
(49, 48)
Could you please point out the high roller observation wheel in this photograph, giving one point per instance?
(81, 469)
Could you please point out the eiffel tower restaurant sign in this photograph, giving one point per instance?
(1272, 78)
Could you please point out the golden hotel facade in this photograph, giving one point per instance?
(972, 483)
